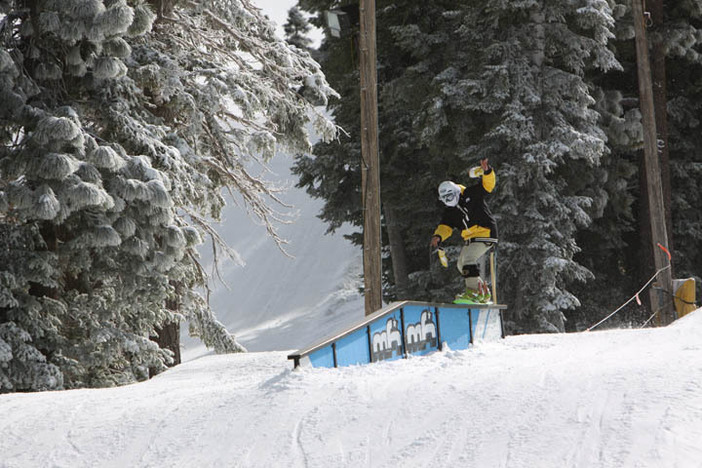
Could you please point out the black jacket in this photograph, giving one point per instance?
(471, 213)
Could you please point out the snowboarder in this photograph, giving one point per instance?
(466, 210)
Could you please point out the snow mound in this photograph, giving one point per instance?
(608, 399)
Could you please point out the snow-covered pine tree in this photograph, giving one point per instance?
(412, 44)
(296, 29)
(605, 244)
(529, 84)
(121, 123)
(24, 337)
(504, 80)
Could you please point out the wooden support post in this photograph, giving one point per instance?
(439, 345)
(370, 165)
(493, 278)
(470, 325)
(403, 333)
(653, 172)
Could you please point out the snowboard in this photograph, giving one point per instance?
(471, 302)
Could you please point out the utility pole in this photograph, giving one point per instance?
(653, 172)
(370, 164)
(660, 103)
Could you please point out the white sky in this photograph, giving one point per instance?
(277, 10)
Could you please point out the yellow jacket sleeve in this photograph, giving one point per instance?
(443, 231)
(489, 181)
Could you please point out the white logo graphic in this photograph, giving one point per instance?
(422, 334)
(418, 337)
(387, 343)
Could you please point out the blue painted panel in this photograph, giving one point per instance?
(454, 325)
(322, 357)
(353, 349)
(420, 329)
(386, 338)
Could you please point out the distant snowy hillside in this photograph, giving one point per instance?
(617, 398)
(275, 298)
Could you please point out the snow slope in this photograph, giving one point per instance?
(274, 301)
(623, 398)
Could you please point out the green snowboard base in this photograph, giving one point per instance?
(470, 301)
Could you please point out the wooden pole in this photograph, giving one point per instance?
(660, 103)
(370, 165)
(653, 173)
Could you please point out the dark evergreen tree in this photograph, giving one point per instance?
(610, 245)
(550, 95)
(410, 38)
(627, 262)
(503, 80)
(296, 29)
(682, 36)
(541, 131)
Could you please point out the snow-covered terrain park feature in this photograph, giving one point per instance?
(620, 398)
(405, 328)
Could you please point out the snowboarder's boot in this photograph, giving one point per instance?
(471, 296)
(484, 293)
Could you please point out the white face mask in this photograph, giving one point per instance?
(449, 193)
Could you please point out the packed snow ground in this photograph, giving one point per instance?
(626, 398)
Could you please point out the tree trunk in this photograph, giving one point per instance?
(169, 338)
(397, 252)
(162, 7)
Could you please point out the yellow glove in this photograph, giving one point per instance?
(476, 172)
(442, 257)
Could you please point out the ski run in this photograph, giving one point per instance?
(619, 398)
